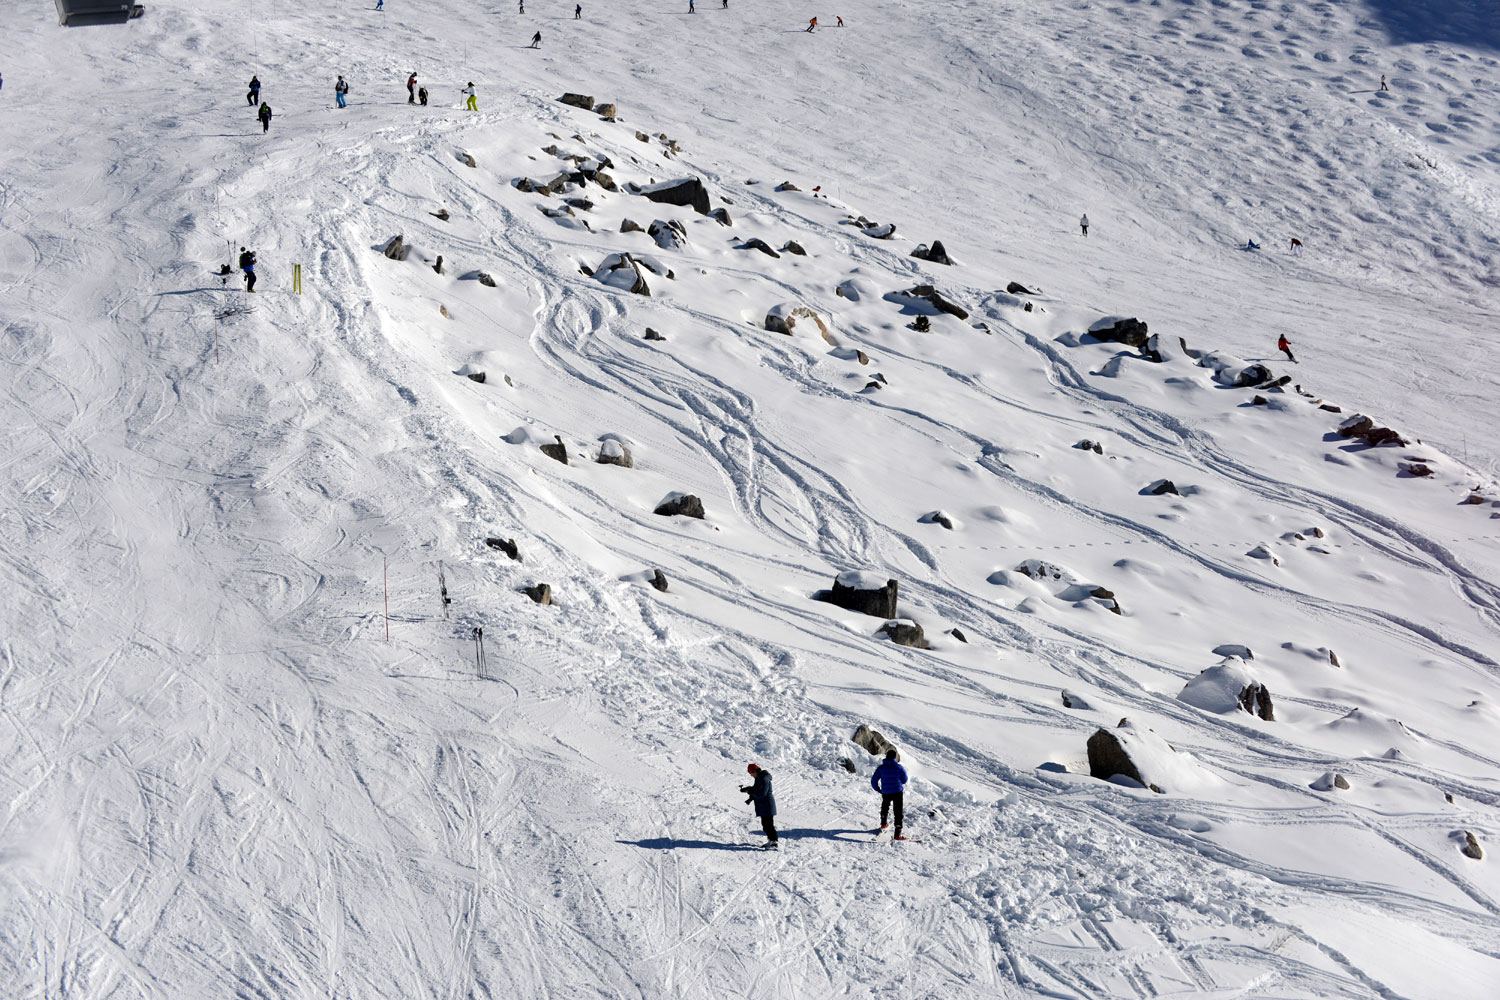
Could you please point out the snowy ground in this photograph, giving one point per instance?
(221, 779)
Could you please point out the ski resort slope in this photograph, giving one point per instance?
(253, 746)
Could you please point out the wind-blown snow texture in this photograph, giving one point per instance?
(219, 777)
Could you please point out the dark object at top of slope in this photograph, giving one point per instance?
(82, 13)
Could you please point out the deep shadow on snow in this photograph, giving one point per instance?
(1472, 24)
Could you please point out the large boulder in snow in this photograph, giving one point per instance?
(904, 632)
(684, 504)
(557, 451)
(541, 593)
(396, 248)
(1108, 757)
(783, 318)
(1130, 332)
(669, 234)
(620, 270)
(863, 592)
(578, 101)
(612, 452)
(1229, 687)
(1140, 756)
(688, 191)
(872, 741)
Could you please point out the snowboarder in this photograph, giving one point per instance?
(254, 94)
(1383, 88)
(578, 12)
(1285, 348)
(1083, 223)
(472, 104)
(411, 88)
(536, 40)
(1296, 246)
(765, 802)
(265, 117)
(340, 89)
(1251, 245)
(812, 24)
(247, 264)
(889, 780)
(422, 96)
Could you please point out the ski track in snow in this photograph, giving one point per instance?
(222, 780)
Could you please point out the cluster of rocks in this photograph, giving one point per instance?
(934, 254)
(1362, 427)
(605, 111)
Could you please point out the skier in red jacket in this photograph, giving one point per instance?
(1285, 348)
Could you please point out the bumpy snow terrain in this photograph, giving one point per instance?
(253, 747)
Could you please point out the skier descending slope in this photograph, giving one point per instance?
(1285, 348)
(765, 802)
(889, 780)
(536, 40)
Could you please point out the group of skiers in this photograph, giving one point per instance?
(889, 780)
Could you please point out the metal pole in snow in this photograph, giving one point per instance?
(385, 576)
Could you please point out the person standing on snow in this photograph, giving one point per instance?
(411, 88)
(578, 12)
(1383, 87)
(422, 96)
(1083, 223)
(536, 40)
(340, 90)
(1285, 348)
(472, 104)
(765, 802)
(254, 94)
(691, 7)
(247, 264)
(265, 117)
(889, 780)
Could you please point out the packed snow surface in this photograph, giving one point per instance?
(280, 722)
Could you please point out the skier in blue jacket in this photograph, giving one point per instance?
(765, 802)
(889, 780)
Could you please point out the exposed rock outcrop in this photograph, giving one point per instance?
(864, 593)
(684, 504)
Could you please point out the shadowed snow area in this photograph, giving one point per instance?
(286, 716)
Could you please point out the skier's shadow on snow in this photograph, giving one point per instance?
(673, 843)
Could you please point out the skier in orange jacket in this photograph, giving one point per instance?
(812, 24)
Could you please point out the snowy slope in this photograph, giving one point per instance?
(222, 778)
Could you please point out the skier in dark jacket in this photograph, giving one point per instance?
(254, 94)
(765, 802)
(247, 264)
(411, 88)
(265, 117)
(889, 780)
